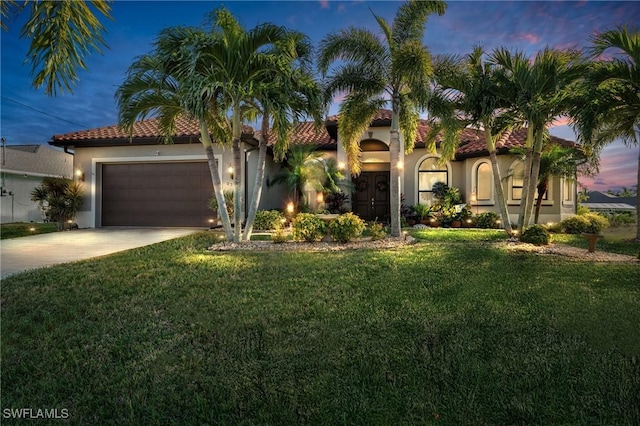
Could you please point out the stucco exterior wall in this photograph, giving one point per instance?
(16, 204)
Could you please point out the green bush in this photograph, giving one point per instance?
(346, 227)
(268, 219)
(536, 234)
(622, 218)
(590, 223)
(487, 220)
(279, 237)
(377, 231)
(307, 227)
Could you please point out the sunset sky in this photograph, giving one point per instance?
(29, 116)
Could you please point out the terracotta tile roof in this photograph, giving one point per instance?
(306, 134)
(472, 142)
(144, 129)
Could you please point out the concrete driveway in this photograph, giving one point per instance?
(36, 251)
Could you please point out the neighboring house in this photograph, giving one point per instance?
(140, 181)
(22, 169)
(603, 202)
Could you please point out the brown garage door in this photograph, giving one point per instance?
(156, 194)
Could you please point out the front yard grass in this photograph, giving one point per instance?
(435, 333)
(23, 229)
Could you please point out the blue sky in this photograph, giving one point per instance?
(29, 116)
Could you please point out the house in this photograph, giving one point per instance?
(603, 202)
(140, 181)
(23, 168)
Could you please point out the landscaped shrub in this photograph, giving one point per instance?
(228, 200)
(377, 231)
(346, 227)
(589, 223)
(487, 220)
(59, 198)
(536, 234)
(337, 202)
(279, 237)
(307, 227)
(622, 218)
(268, 219)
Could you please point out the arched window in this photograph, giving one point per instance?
(483, 182)
(429, 173)
(517, 181)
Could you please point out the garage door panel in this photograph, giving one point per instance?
(156, 194)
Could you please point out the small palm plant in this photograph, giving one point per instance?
(59, 198)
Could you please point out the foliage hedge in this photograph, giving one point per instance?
(487, 220)
(346, 227)
(268, 219)
(590, 223)
(307, 227)
(536, 234)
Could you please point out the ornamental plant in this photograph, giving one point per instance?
(346, 227)
(268, 219)
(487, 220)
(589, 223)
(536, 234)
(377, 231)
(307, 227)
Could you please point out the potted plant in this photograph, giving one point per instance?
(423, 212)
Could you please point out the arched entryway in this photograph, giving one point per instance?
(371, 195)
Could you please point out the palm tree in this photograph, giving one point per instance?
(539, 90)
(207, 75)
(62, 33)
(291, 93)
(377, 72)
(466, 93)
(556, 161)
(608, 106)
(304, 166)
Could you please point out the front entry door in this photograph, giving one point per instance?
(371, 197)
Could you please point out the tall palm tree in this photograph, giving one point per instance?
(207, 76)
(290, 94)
(608, 106)
(62, 33)
(466, 93)
(556, 161)
(540, 90)
(377, 72)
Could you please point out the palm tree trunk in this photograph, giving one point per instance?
(394, 187)
(497, 180)
(526, 179)
(542, 190)
(215, 179)
(259, 182)
(535, 173)
(238, 196)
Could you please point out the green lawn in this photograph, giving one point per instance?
(450, 331)
(22, 229)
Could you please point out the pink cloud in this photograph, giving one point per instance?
(618, 168)
(324, 4)
(530, 37)
(559, 121)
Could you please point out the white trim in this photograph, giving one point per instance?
(147, 159)
(474, 183)
(34, 174)
(563, 191)
(511, 201)
(416, 174)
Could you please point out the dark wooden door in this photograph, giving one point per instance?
(371, 198)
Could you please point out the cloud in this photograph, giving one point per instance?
(324, 4)
(559, 121)
(529, 37)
